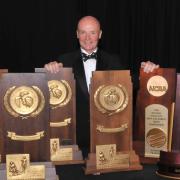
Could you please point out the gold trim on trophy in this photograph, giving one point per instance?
(111, 99)
(24, 101)
(61, 124)
(60, 93)
(14, 136)
(101, 128)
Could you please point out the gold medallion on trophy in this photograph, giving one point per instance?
(60, 93)
(111, 99)
(24, 101)
(156, 138)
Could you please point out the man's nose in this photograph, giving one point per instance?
(88, 36)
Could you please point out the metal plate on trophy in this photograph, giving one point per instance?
(58, 153)
(111, 122)
(107, 157)
(18, 168)
(24, 115)
(153, 112)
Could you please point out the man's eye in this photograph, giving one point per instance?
(82, 32)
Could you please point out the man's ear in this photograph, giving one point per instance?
(100, 34)
(77, 34)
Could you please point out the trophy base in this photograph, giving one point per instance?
(138, 146)
(169, 165)
(75, 158)
(91, 167)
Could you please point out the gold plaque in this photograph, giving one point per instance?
(18, 168)
(15, 137)
(60, 93)
(156, 130)
(102, 129)
(111, 99)
(24, 101)
(54, 146)
(107, 157)
(58, 153)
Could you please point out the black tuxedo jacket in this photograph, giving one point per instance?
(105, 61)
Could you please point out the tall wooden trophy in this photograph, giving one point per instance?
(24, 116)
(169, 162)
(63, 148)
(111, 123)
(154, 110)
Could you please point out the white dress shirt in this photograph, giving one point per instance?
(89, 67)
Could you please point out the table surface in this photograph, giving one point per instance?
(76, 172)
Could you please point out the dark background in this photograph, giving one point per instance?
(33, 32)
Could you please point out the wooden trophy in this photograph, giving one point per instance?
(63, 148)
(111, 123)
(169, 162)
(153, 113)
(1, 135)
(24, 115)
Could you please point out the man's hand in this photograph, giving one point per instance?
(149, 66)
(53, 67)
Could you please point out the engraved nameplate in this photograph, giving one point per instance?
(156, 130)
(18, 168)
(107, 157)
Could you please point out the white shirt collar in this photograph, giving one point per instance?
(84, 51)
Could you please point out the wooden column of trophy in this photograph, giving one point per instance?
(111, 123)
(24, 110)
(169, 163)
(153, 113)
(63, 148)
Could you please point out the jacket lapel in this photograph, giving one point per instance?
(101, 61)
(80, 74)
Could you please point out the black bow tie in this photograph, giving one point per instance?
(85, 57)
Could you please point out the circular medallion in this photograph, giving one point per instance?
(60, 93)
(157, 86)
(156, 138)
(111, 98)
(23, 100)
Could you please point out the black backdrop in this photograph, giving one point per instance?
(33, 32)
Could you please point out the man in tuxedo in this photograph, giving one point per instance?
(84, 61)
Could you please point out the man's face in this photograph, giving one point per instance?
(88, 33)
